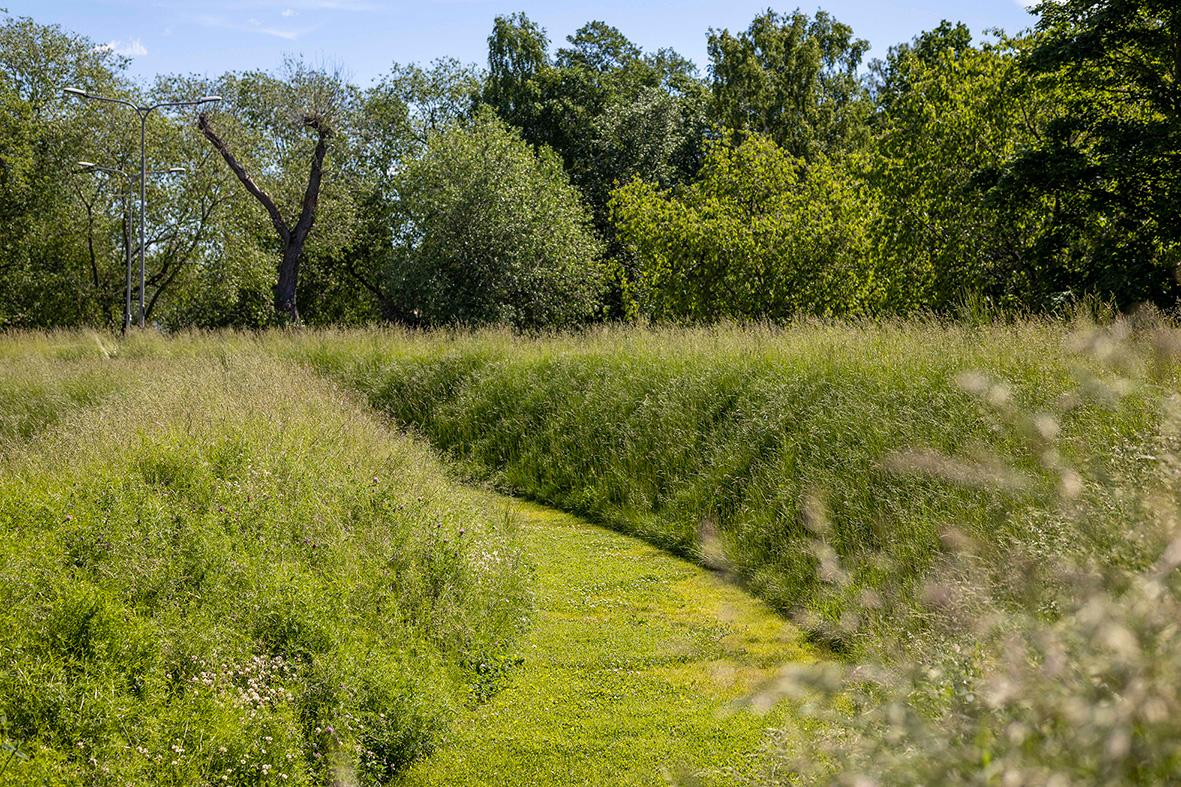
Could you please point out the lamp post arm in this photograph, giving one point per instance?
(165, 104)
(108, 100)
(143, 113)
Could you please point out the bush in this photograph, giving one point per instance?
(491, 232)
(759, 235)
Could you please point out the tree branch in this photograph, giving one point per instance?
(373, 288)
(311, 197)
(247, 181)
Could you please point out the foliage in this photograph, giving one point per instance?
(1023, 172)
(608, 109)
(952, 114)
(759, 234)
(394, 122)
(49, 274)
(233, 577)
(1109, 160)
(792, 78)
(490, 231)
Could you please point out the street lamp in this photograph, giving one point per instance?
(143, 113)
(90, 166)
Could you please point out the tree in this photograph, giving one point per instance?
(397, 118)
(607, 108)
(518, 55)
(490, 231)
(1110, 162)
(792, 78)
(47, 271)
(759, 235)
(309, 101)
(951, 114)
(616, 112)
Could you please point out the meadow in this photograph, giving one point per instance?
(232, 557)
(721, 444)
(977, 522)
(219, 569)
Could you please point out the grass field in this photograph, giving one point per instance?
(221, 565)
(221, 570)
(671, 434)
(988, 513)
(633, 673)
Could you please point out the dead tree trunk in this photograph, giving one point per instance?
(291, 239)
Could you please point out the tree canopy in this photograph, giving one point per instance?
(585, 177)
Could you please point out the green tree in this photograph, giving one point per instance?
(281, 131)
(792, 78)
(1110, 163)
(518, 56)
(490, 231)
(396, 119)
(607, 108)
(950, 115)
(759, 235)
(49, 274)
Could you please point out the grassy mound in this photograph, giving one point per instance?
(216, 569)
(989, 518)
(897, 432)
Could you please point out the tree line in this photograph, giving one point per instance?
(594, 180)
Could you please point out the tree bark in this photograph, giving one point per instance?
(291, 241)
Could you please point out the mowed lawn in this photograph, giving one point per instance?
(636, 671)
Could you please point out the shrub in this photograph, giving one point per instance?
(492, 232)
(759, 235)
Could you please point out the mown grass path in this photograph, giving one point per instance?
(631, 671)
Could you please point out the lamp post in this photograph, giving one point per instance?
(90, 166)
(143, 113)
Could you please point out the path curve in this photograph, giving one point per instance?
(631, 670)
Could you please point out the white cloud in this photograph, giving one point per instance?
(287, 35)
(251, 26)
(133, 48)
(288, 12)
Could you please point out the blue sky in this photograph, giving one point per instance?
(365, 36)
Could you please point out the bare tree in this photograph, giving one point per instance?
(291, 237)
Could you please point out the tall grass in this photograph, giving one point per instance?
(218, 569)
(42, 378)
(672, 434)
(984, 518)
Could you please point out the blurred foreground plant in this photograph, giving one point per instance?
(1043, 658)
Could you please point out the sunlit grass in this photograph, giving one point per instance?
(632, 672)
(980, 521)
(668, 433)
(218, 569)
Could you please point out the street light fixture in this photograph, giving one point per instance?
(143, 113)
(90, 166)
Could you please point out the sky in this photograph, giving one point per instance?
(364, 37)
